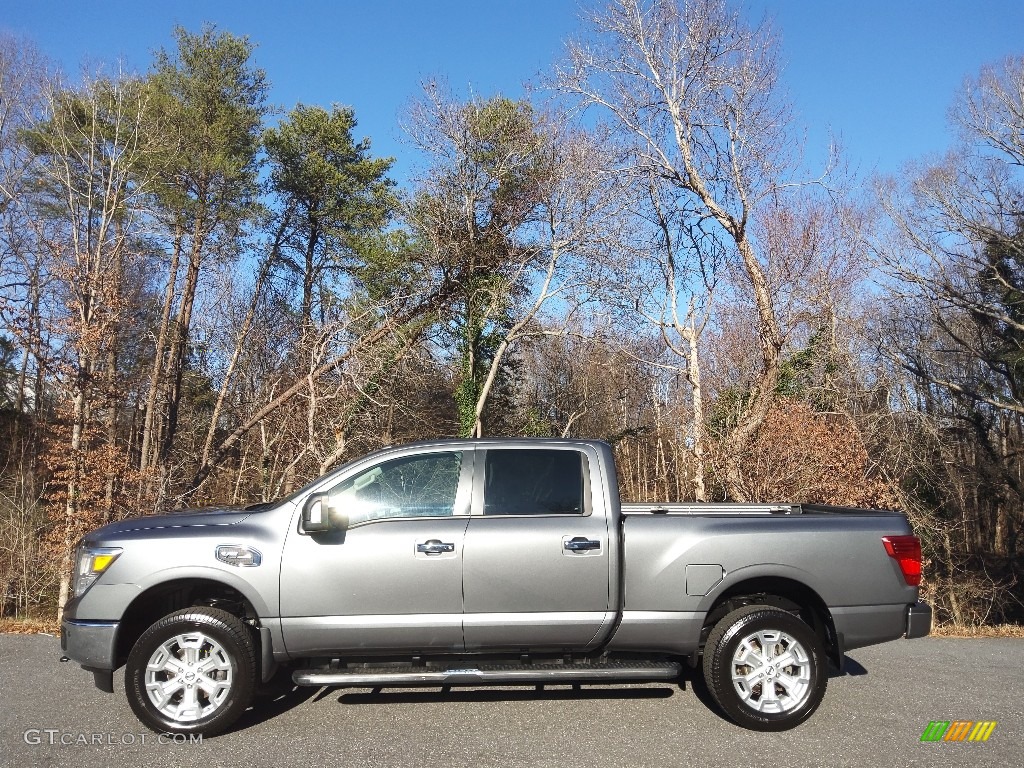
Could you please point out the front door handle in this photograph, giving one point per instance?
(581, 544)
(435, 547)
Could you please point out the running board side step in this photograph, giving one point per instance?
(368, 677)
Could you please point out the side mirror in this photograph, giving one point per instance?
(318, 517)
(314, 514)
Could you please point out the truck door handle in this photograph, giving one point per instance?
(435, 547)
(581, 544)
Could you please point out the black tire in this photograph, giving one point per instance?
(796, 688)
(218, 655)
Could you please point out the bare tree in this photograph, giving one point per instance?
(955, 258)
(990, 109)
(23, 78)
(693, 91)
(666, 271)
(470, 214)
(579, 209)
(90, 148)
(957, 249)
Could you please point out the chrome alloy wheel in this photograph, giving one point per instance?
(189, 677)
(771, 671)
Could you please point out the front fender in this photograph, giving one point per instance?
(263, 606)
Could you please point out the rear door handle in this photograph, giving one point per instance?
(581, 544)
(435, 547)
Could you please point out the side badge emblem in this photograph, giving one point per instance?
(239, 555)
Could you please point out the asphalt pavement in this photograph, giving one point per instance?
(51, 715)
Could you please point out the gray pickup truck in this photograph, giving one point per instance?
(479, 562)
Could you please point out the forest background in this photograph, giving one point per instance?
(205, 299)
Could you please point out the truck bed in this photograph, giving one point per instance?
(679, 558)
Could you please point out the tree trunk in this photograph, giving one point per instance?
(179, 345)
(309, 277)
(155, 379)
(763, 393)
(693, 376)
(110, 427)
(239, 346)
(71, 503)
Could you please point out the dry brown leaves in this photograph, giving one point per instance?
(29, 627)
(801, 455)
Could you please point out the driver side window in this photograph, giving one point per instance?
(413, 486)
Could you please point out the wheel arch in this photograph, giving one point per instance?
(152, 604)
(781, 592)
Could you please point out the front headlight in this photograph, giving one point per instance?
(90, 563)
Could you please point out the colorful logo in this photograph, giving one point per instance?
(958, 730)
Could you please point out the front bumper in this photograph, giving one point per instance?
(93, 644)
(919, 620)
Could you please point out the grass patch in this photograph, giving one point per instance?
(996, 630)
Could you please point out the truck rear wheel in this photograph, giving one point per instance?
(765, 668)
(193, 671)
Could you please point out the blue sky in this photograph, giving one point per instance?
(878, 74)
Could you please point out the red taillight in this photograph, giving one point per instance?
(906, 550)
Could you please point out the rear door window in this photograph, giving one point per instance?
(533, 482)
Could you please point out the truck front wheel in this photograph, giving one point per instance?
(193, 671)
(765, 668)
